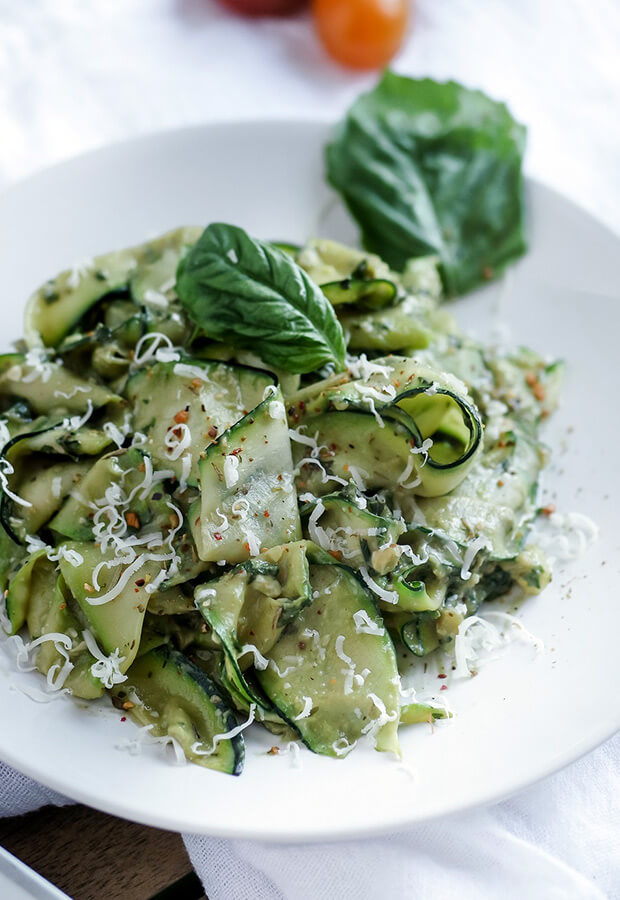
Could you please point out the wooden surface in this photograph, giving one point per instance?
(93, 856)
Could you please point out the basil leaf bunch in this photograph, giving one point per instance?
(432, 168)
(252, 295)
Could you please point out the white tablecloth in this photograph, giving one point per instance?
(75, 75)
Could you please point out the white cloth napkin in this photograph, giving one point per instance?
(75, 75)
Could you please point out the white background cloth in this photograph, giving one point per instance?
(75, 75)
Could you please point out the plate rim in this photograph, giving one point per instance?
(125, 810)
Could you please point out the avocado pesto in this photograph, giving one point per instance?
(266, 516)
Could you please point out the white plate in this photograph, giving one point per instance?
(19, 882)
(525, 715)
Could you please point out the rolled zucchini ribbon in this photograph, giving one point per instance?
(405, 414)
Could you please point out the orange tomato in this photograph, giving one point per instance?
(363, 34)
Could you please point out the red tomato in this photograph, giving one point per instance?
(264, 7)
(363, 34)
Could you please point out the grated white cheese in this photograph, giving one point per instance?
(186, 467)
(365, 625)
(564, 536)
(231, 470)
(240, 508)
(324, 476)
(382, 593)
(424, 449)
(477, 635)
(78, 271)
(188, 371)
(177, 440)
(342, 747)
(362, 367)
(106, 668)
(197, 745)
(295, 435)
(253, 541)
(7, 469)
(478, 544)
(339, 647)
(260, 662)
(148, 345)
(307, 709)
(276, 410)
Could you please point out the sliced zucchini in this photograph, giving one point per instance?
(195, 397)
(59, 304)
(499, 498)
(252, 604)
(32, 451)
(117, 623)
(127, 471)
(178, 700)
(248, 500)
(373, 293)
(418, 633)
(310, 680)
(44, 487)
(406, 326)
(413, 713)
(410, 414)
(33, 574)
(355, 536)
(328, 261)
(50, 387)
(50, 613)
(11, 558)
(287, 247)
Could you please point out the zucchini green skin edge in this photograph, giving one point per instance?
(444, 414)
(373, 293)
(50, 439)
(189, 704)
(58, 305)
(332, 717)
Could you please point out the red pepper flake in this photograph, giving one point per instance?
(140, 582)
(337, 554)
(548, 510)
(246, 546)
(217, 536)
(132, 520)
(181, 417)
(62, 606)
(89, 588)
(195, 382)
(487, 273)
(273, 751)
(123, 718)
(442, 675)
(266, 514)
(444, 687)
(212, 432)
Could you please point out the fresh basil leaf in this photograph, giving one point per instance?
(426, 167)
(252, 295)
